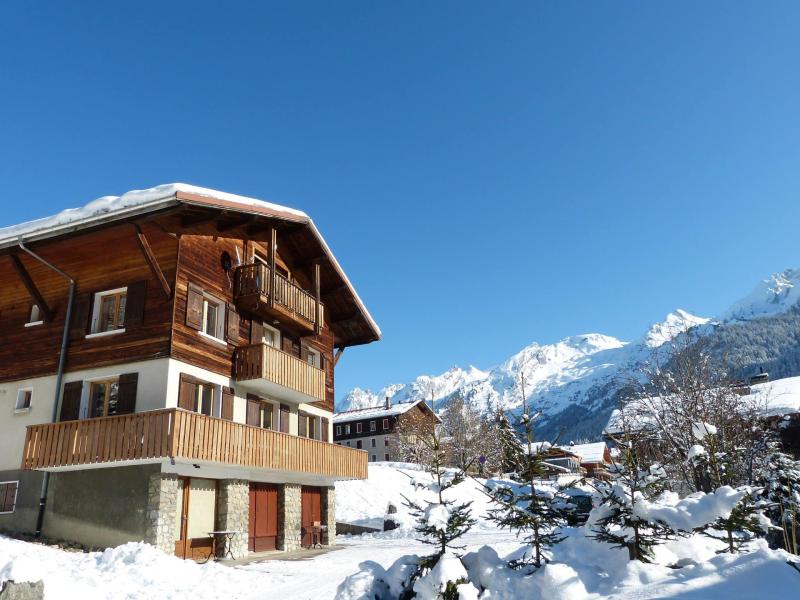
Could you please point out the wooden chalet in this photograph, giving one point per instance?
(168, 372)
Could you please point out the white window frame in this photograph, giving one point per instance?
(372, 443)
(23, 409)
(372, 425)
(219, 334)
(276, 336)
(338, 430)
(386, 424)
(347, 429)
(97, 305)
(314, 358)
(16, 495)
(34, 320)
(359, 427)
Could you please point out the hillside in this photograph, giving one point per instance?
(576, 380)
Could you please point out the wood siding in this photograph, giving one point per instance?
(161, 434)
(260, 361)
(97, 261)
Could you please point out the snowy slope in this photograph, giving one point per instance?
(575, 381)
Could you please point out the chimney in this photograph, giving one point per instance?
(388, 403)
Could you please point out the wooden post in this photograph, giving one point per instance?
(338, 355)
(317, 324)
(273, 243)
(44, 310)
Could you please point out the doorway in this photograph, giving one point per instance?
(263, 528)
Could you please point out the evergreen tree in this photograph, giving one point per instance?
(781, 479)
(510, 446)
(740, 527)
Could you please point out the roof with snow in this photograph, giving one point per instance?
(375, 412)
(203, 211)
(589, 453)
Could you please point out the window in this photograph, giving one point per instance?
(199, 396)
(373, 458)
(8, 496)
(372, 425)
(338, 430)
(313, 358)
(103, 398)
(306, 425)
(348, 444)
(109, 311)
(358, 444)
(259, 412)
(358, 427)
(347, 429)
(24, 397)
(204, 399)
(385, 424)
(271, 336)
(386, 442)
(373, 442)
(385, 457)
(35, 317)
(213, 317)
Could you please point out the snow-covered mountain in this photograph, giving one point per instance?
(575, 381)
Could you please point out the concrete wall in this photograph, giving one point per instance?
(380, 449)
(99, 507)
(23, 519)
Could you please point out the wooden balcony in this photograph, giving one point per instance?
(292, 304)
(184, 436)
(273, 371)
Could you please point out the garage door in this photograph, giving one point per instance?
(263, 530)
(311, 513)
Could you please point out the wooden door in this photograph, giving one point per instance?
(311, 512)
(263, 529)
(182, 517)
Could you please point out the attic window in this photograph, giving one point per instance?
(35, 316)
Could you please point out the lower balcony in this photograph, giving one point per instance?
(265, 370)
(174, 434)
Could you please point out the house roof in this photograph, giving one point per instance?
(589, 453)
(376, 412)
(203, 205)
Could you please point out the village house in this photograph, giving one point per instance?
(376, 429)
(167, 374)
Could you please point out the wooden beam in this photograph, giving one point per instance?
(223, 227)
(213, 215)
(338, 355)
(44, 310)
(273, 243)
(150, 258)
(317, 324)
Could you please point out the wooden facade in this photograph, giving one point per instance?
(180, 434)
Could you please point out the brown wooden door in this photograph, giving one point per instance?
(181, 544)
(311, 512)
(263, 530)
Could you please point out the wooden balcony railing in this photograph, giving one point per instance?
(179, 434)
(252, 282)
(260, 361)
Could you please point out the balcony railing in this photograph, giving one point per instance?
(260, 361)
(252, 287)
(183, 435)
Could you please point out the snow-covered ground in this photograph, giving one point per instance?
(581, 568)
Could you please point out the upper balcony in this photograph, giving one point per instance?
(277, 297)
(272, 372)
(175, 435)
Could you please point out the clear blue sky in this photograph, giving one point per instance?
(489, 174)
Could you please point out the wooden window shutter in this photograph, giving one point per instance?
(227, 404)
(233, 325)
(8, 495)
(71, 401)
(304, 353)
(253, 411)
(126, 394)
(186, 393)
(325, 427)
(286, 344)
(134, 304)
(302, 425)
(79, 320)
(194, 307)
(256, 331)
(284, 414)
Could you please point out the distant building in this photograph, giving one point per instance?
(374, 429)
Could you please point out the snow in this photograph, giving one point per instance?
(692, 511)
(375, 412)
(771, 296)
(695, 451)
(778, 397)
(701, 430)
(673, 325)
(436, 516)
(589, 453)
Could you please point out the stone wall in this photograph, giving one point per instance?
(162, 504)
(233, 513)
(329, 513)
(289, 514)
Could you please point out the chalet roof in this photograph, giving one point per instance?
(589, 453)
(194, 209)
(376, 412)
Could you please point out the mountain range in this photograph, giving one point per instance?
(576, 381)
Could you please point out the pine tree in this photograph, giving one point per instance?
(617, 522)
(740, 527)
(510, 445)
(534, 512)
(781, 479)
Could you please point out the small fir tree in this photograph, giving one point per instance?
(740, 527)
(781, 480)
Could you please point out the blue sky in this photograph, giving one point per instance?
(488, 175)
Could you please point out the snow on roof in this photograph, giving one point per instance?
(375, 412)
(110, 208)
(589, 453)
